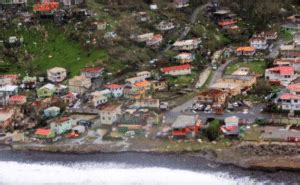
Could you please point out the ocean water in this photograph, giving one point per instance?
(16, 173)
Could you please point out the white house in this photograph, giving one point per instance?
(116, 90)
(290, 100)
(259, 43)
(10, 89)
(181, 3)
(165, 25)
(110, 114)
(282, 74)
(144, 37)
(177, 70)
(184, 58)
(187, 45)
(56, 74)
(69, 3)
(4, 99)
(144, 74)
(98, 98)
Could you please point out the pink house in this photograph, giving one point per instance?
(282, 74)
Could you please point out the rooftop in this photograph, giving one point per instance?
(294, 87)
(184, 121)
(114, 86)
(239, 77)
(246, 49)
(283, 70)
(187, 42)
(43, 132)
(110, 108)
(174, 68)
(288, 96)
(212, 92)
(92, 69)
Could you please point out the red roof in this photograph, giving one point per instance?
(92, 69)
(11, 76)
(176, 68)
(114, 86)
(45, 7)
(289, 96)
(294, 87)
(17, 98)
(283, 70)
(43, 132)
(70, 95)
(227, 23)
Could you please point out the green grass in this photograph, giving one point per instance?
(286, 36)
(257, 67)
(181, 81)
(57, 50)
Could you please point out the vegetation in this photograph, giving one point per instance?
(213, 130)
(257, 67)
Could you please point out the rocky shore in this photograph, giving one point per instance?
(247, 155)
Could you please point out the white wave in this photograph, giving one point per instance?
(16, 173)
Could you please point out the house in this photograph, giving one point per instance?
(148, 103)
(268, 35)
(143, 86)
(6, 117)
(291, 99)
(242, 71)
(69, 3)
(29, 82)
(144, 74)
(4, 99)
(61, 90)
(292, 24)
(116, 90)
(232, 89)
(213, 97)
(177, 70)
(109, 114)
(46, 91)
(62, 125)
(17, 100)
(79, 84)
(8, 79)
(244, 81)
(92, 72)
(155, 41)
(159, 85)
(231, 127)
(245, 51)
(227, 23)
(52, 112)
(101, 25)
(184, 58)
(181, 3)
(132, 81)
(260, 43)
(186, 126)
(10, 89)
(42, 133)
(165, 25)
(13, 2)
(143, 17)
(98, 98)
(134, 93)
(144, 37)
(222, 14)
(56, 74)
(69, 98)
(295, 63)
(187, 45)
(282, 74)
(289, 51)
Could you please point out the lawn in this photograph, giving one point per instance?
(56, 50)
(257, 67)
(286, 36)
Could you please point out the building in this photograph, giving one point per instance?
(244, 81)
(144, 74)
(13, 2)
(62, 125)
(231, 127)
(155, 41)
(159, 85)
(10, 89)
(42, 133)
(144, 37)
(98, 98)
(243, 71)
(295, 63)
(181, 3)
(80, 84)
(148, 103)
(143, 86)
(165, 25)
(260, 43)
(292, 24)
(69, 98)
(69, 3)
(4, 99)
(110, 114)
(290, 100)
(283, 75)
(213, 97)
(116, 90)
(17, 100)
(92, 72)
(29, 82)
(132, 81)
(52, 112)
(232, 89)
(177, 70)
(247, 51)
(46, 91)
(268, 35)
(186, 126)
(56, 74)
(225, 24)
(6, 80)
(185, 58)
(6, 118)
(187, 45)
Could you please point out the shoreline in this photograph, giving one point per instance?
(226, 156)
